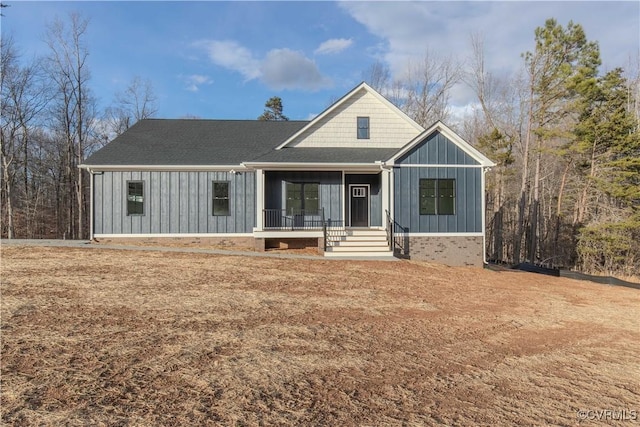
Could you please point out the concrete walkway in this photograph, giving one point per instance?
(85, 244)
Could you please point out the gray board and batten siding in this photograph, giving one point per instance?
(330, 190)
(438, 150)
(174, 203)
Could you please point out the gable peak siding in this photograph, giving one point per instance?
(339, 128)
(436, 149)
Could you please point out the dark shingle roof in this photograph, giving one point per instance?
(154, 142)
(160, 142)
(327, 155)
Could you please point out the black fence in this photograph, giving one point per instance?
(605, 280)
(293, 219)
(535, 268)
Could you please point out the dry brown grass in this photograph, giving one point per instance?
(106, 337)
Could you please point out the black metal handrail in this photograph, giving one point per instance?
(397, 236)
(293, 219)
(389, 230)
(324, 235)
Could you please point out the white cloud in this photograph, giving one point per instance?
(280, 69)
(194, 81)
(287, 69)
(405, 30)
(333, 46)
(233, 56)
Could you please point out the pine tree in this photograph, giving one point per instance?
(610, 145)
(561, 63)
(273, 110)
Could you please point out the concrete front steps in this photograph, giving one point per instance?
(359, 243)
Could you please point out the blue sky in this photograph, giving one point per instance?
(225, 59)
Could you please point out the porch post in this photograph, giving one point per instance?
(344, 201)
(392, 190)
(386, 189)
(91, 202)
(259, 199)
(483, 203)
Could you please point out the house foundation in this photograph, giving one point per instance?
(291, 243)
(231, 243)
(450, 250)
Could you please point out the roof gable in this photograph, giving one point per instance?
(450, 149)
(337, 125)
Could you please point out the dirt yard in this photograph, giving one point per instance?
(133, 338)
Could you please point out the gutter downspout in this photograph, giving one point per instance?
(92, 174)
(91, 204)
(484, 215)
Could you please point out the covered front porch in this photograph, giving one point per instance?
(306, 200)
(341, 208)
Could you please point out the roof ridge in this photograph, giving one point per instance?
(222, 120)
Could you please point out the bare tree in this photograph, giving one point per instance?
(633, 92)
(136, 102)
(24, 96)
(73, 114)
(428, 85)
(8, 134)
(496, 132)
(481, 81)
(378, 77)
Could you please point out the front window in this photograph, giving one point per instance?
(303, 196)
(437, 197)
(221, 198)
(135, 198)
(363, 127)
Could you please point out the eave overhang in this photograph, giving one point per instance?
(369, 167)
(162, 168)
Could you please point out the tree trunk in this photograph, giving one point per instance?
(533, 231)
(556, 232)
(80, 125)
(582, 205)
(535, 211)
(498, 240)
(522, 205)
(8, 196)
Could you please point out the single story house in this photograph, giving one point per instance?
(360, 179)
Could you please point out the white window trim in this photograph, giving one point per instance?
(368, 128)
(144, 197)
(213, 197)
